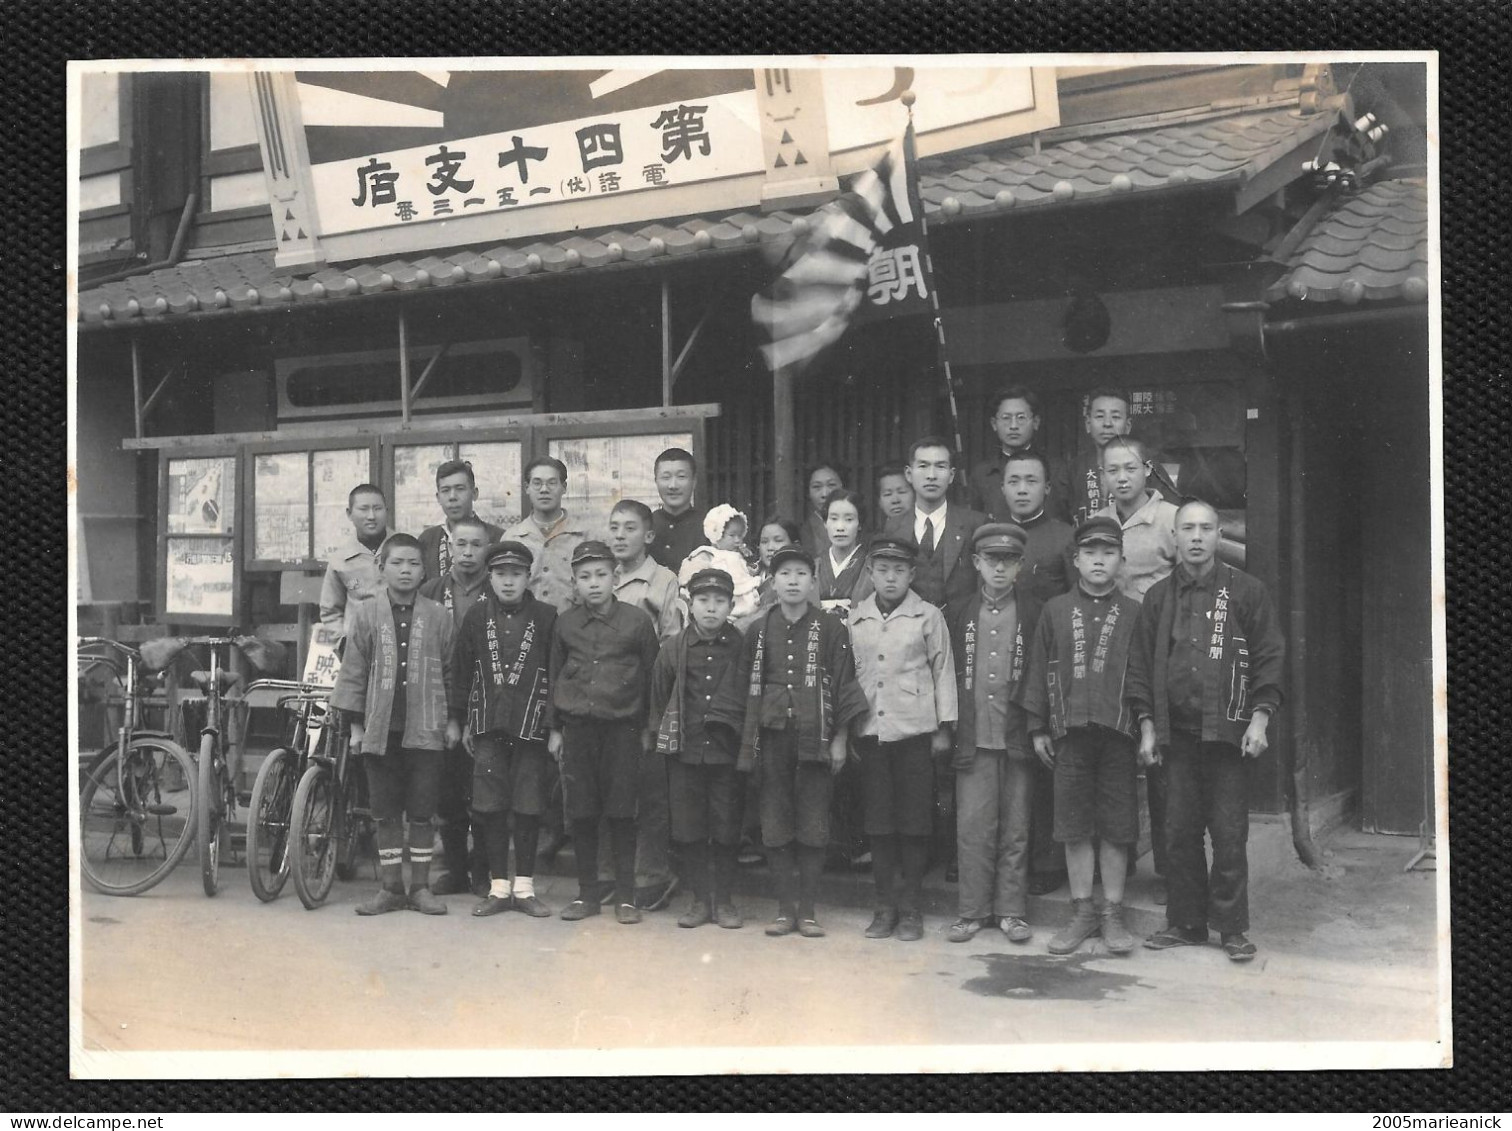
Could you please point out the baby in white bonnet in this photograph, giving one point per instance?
(725, 527)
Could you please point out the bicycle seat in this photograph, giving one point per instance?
(201, 679)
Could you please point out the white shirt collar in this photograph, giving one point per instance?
(937, 517)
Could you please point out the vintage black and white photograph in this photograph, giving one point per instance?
(727, 564)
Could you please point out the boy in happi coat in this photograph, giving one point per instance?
(1082, 729)
(907, 672)
(393, 688)
(698, 704)
(994, 766)
(801, 696)
(1204, 680)
(500, 692)
(602, 651)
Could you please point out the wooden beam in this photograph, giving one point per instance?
(404, 373)
(682, 356)
(666, 341)
(136, 384)
(156, 393)
(430, 368)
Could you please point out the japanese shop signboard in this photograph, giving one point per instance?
(366, 163)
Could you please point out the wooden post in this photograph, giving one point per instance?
(666, 341)
(136, 384)
(404, 368)
(302, 645)
(785, 469)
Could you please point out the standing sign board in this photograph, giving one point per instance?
(363, 163)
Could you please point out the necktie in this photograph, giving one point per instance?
(928, 545)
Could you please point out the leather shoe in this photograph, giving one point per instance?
(531, 905)
(580, 909)
(453, 883)
(424, 901)
(963, 930)
(910, 927)
(810, 929)
(883, 923)
(493, 905)
(627, 913)
(728, 917)
(696, 915)
(782, 925)
(1016, 929)
(384, 901)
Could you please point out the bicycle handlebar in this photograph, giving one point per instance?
(89, 641)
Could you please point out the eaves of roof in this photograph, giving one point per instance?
(1372, 245)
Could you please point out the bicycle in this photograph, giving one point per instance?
(136, 798)
(331, 818)
(270, 810)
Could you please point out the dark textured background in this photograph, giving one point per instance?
(1473, 38)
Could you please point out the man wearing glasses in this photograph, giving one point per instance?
(549, 531)
(1015, 423)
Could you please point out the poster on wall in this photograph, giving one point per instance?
(414, 505)
(201, 577)
(202, 495)
(333, 474)
(602, 470)
(496, 466)
(281, 506)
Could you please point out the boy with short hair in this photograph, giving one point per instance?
(801, 696)
(352, 575)
(500, 692)
(993, 764)
(1147, 519)
(465, 584)
(1081, 729)
(907, 672)
(602, 652)
(677, 522)
(393, 687)
(644, 583)
(697, 703)
(456, 492)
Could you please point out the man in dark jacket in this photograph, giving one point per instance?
(1204, 680)
(941, 532)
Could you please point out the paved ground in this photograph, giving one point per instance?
(1344, 956)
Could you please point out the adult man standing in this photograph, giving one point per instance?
(1204, 680)
(1015, 423)
(1084, 493)
(941, 532)
(456, 491)
(549, 532)
(352, 574)
(677, 522)
(462, 586)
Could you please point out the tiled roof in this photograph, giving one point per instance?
(1373, 245)
(955, 186)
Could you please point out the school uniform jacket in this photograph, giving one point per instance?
(500, 664)
(698, 697)
(962, 620)
(370, 668)
(351, 578)
(1067, 687)
(958, 577)
(905, 666)
(1242, 671)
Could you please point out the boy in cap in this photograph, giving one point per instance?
(602, 651)
(698, 705)
(801, 695)
(906, 670)
(993, 763)
(393, 687)
(1204, 681)
(1082, 730)
(500, 692)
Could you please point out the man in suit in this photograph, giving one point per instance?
(942, 532)
(944, 576)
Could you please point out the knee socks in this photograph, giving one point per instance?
(915, 853)
(494, 828)
(390, 838)
(884, 851)
(422, 841)
(622, 839)
(810, 865)
(527, 832)
(585, 845)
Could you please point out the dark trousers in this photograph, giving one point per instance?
(453, 807)
(1155, 797)
(1046, 856)
(1205, 793)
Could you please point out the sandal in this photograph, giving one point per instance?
(1176, 936)
(1238, 948)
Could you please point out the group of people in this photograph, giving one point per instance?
(678, 681)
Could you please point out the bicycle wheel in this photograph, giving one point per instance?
(268, 825)
(312, 845)
(354, 839)
(136, 816)
(211, 823)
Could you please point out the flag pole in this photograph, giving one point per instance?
(910, 164)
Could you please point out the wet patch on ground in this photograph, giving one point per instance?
(1045, 977)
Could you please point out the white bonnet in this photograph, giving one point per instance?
(718, 518)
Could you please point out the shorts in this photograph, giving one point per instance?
(600, 765)
(897, 786)
(1095, 790)
(508, 776)
(795, 795)
(705, 802)
(404, 783)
